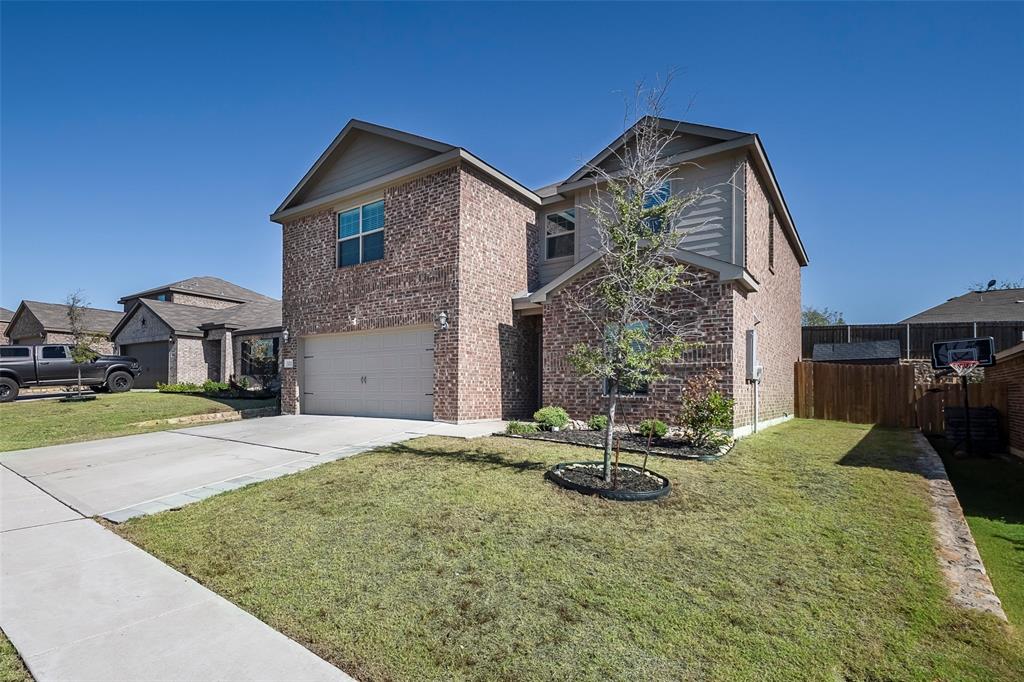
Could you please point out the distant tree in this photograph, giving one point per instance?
(813, 317)
(82, 350)
(997, 284)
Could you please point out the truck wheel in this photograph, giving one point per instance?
(8, 390)
(119, 382)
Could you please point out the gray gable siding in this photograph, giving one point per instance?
(712, 223)
(679, 144)
(362, 157)
(134, 331)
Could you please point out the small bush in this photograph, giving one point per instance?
(652, 427)
(598, 422)
(214, 386)
(705, 411)
(551, 417)
(179, 388)
(518, 428)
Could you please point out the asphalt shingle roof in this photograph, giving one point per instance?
(997, 305)
(54, 317)
(206, 286)
(856, 352)
(6, 315)
(188, 319)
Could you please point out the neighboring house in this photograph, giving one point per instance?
(1009, 368)
(421, 282)
(996, 305)
(5, 319)
(862, 353)
(196, 329)
(36, 323)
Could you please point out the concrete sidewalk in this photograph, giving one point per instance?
(80, 603)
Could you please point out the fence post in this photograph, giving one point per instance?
(849, 334)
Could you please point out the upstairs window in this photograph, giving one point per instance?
(657, 198)
(560, 234)
(361, 234)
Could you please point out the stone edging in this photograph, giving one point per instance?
(957, 554)
(229, 416)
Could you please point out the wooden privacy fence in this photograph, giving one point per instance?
(885, 395)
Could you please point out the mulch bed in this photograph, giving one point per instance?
(628, 442)
(592, 476)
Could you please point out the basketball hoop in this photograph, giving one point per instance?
(963, 367)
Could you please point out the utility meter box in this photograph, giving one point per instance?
(754, 370)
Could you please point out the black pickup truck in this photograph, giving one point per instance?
(22, 366)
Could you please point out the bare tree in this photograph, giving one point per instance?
(629, 302)
(82, 350)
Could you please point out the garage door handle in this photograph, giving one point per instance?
(308, 393)
(428, 394)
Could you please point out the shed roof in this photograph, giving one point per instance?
(856, 352)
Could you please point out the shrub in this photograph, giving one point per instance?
(551, 417)
(704, 409)
(652, 427)
(598, 422)
(179, 388)
(517, 428)
(214, 386)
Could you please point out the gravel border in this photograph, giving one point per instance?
(956, 552)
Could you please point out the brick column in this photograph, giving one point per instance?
(227, 356)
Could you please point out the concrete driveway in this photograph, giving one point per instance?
(119, 478)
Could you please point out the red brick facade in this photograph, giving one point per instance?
(453, 243)
(723, 314)
(1010, 369)
(458, 242)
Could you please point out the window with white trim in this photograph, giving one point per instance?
(361, 234)
(560, 234)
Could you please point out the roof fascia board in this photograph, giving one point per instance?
(665, 124)
(683, 157)
(408, 172)
(14, 318)
(356, 124)
(405, 174)
(727, 272)
(773, 185)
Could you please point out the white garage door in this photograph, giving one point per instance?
(370, 374)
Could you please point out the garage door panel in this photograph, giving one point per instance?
(387, 374)
(153, 361)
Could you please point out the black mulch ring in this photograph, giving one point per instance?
(628, 442)
(628, 483)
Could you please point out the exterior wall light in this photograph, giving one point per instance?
(284, 335)
(442, 320)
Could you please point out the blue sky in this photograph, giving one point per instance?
(145, 143)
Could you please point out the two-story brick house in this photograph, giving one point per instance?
(421, 282)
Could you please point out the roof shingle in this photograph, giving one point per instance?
(997, 305)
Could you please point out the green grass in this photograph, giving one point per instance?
(991, 492)
(806, 553)
(36, 423)
(12, 669)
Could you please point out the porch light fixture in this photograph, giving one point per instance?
(284, 335)
(442, 320)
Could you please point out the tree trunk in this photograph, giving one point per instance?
(613, 397)
(79, 381)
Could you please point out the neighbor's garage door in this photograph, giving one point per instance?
(152, 358)
(370, 374)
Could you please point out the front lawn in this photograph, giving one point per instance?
(32, 424)
(991, 491)
(12, 669)
(806, 553)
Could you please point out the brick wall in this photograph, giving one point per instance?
(201, 301)
(705, 306)
(497, 251)
(4, 340)
(416, 280)
(1011, 371)
(189, 362)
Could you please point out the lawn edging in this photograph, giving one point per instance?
(227, 416)
(956, 551)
